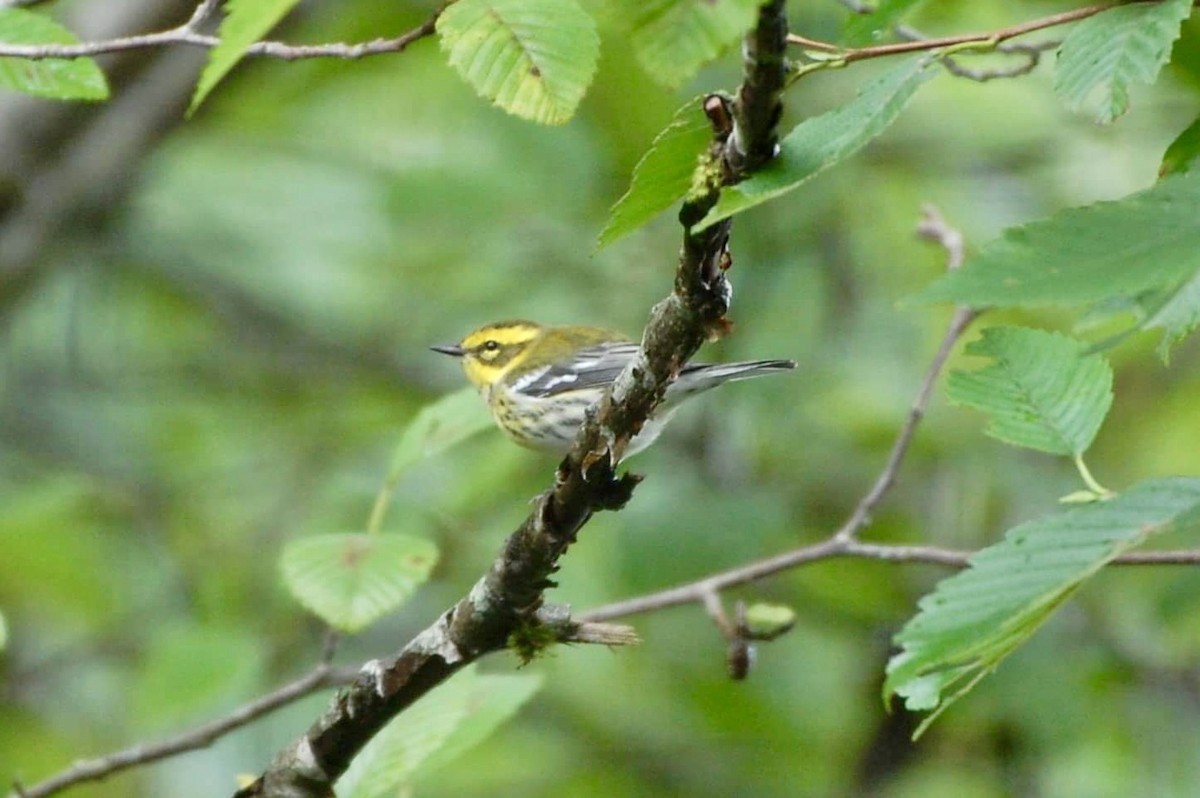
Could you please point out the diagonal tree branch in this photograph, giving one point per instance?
(507, 600)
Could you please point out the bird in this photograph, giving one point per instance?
(538, 381)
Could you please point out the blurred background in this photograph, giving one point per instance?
(212, 332)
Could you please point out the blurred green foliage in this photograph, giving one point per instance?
(222, 364)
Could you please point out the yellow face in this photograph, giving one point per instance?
(490, 351)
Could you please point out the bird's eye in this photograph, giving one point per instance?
(491, 346)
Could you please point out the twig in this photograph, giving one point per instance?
(711, 600)
(320, 677)
(1031, 52)
(697, 592)
(1164, 557)
(203, 11)
(188, 34)
(933, 227)
(1033, 57)
(861, 516)
(846, 56)
(329, 645)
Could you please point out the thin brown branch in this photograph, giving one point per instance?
(715, 608)
(1033, 57)
(189, 34)
(1031, 52)
(320, 677)
(203, 12)
(295, 52)
(698, 591)
(934, 227)
(861, 516)
(940, 42)
(1163, 557)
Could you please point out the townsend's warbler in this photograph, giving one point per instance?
(539, 381)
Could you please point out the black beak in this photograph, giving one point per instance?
(454, 350)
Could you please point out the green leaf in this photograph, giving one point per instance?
(820, 142)
(663, 175)
(674, 38)
(533, 58)
(865, 29)
(1146, 240)
(56, 78)
(1177, 315)
(3, 632)
(350, 580)
(246, 21)
(438, 426)
(1042, 391)
(977, 617)
(444, 724)
(1107, 52)
(1182, 152)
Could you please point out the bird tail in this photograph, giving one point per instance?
(702, 376)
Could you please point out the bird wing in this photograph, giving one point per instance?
(592, 367)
